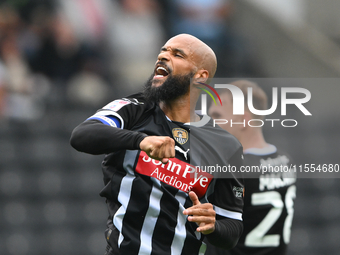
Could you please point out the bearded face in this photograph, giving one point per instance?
(173, 87)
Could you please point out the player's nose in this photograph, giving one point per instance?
(163, 56)
(211, 111)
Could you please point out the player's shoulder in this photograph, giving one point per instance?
(136, 100)
(271, 153)
(220, 139)
(224, 135)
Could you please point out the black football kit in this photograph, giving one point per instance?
(268, 205)
(146, 198)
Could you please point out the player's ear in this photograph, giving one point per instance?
(247, 116)
(201, 76)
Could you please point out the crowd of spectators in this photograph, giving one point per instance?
(89, 51)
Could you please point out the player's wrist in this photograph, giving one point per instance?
(139, 139)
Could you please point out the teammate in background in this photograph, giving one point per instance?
(157, 203)
(268, 198)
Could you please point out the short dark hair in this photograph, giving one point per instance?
(260, 100)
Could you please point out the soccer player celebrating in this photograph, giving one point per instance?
(268, 198)
(159, 202)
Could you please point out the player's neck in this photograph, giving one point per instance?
(253, 139)
(180, 110)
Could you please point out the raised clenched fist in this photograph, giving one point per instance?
(158, 147)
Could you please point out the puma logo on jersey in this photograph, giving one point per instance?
(185, 153)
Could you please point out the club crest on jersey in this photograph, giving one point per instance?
(180, 135)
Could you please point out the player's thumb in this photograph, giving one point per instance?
(194, 198)
(165, 160)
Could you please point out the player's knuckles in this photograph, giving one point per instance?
(209, 210)
(167, 140)
(172, 143)
(206, 227)
(155, 155)
(158, 144)
(209, 220)
(202, 212)
(172, 152)
(202, 220)
(168, 152)
(205, 208)
(208, 206)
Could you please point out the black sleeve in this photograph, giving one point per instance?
(226, 234)
(96, 138)
(228, 189)
(227, 195)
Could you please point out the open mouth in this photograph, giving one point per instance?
(161, 72)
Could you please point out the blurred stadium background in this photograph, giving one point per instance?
(61, 60)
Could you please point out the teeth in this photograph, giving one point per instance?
(162, 68)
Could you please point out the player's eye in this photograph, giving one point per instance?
(215, 115)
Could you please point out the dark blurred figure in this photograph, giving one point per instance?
(61, 53)
(44, 37)
(23, 90)
(268, 196)
(210, 21)
(135, 35)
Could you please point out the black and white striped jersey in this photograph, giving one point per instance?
(268, 204)
(146, 198)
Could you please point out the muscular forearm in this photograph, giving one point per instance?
(226, 234)
(96, 138)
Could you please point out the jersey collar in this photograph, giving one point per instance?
(270, 149)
